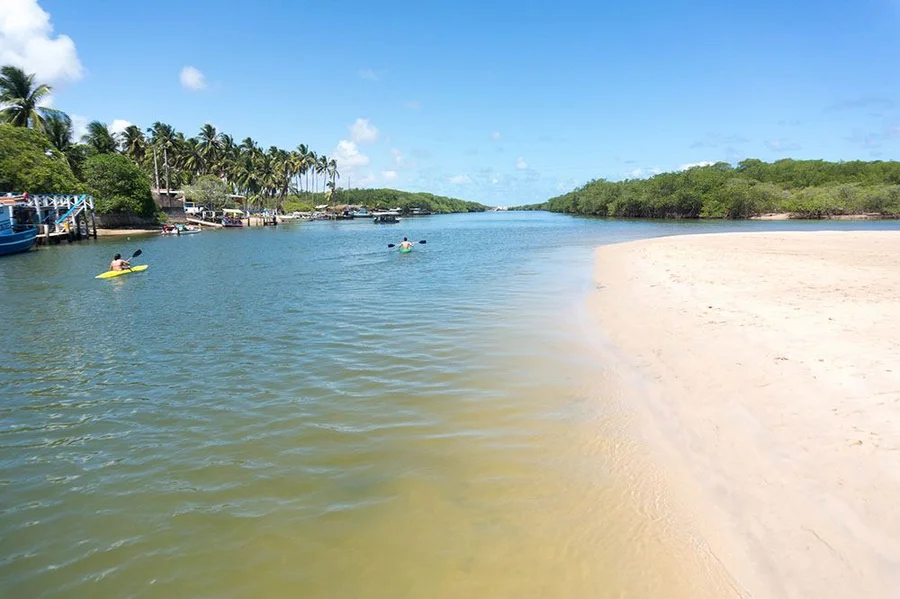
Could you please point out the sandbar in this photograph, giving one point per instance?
(764, 373)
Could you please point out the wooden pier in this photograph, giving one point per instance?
(58, 217)
(204, 223)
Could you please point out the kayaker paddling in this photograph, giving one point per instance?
(118, 263)
(406, 245)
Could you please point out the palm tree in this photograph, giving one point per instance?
(209, 147)
(227, 153)
(249, 145)
(303, 159)
(20, 99)
(134, 144)
(58, 128)
(162, 142)
(333, 172)
(311, 160)
(190, 156)
(99, 138)
(322, 167)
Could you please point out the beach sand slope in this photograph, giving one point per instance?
(769, 385)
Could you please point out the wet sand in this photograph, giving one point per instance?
(764, 373)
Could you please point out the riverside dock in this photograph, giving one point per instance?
(58, 217)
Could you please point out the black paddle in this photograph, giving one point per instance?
(133, 256)
(390, 245)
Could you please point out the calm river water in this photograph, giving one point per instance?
(301, 412)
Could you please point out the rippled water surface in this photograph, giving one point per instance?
(301, 412)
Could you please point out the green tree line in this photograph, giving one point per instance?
(803, 188)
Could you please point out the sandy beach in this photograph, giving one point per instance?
(764, 373)
(125, 232)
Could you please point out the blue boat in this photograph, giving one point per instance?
(12, 241)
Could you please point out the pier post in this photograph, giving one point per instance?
(93, 220)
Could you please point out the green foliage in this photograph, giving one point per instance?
(20, 99)
(303, 202)
(804, 188)
(118, 185)
(25, 165)
(208, 191)
(99, 138)
(379, 199)
(77, 155)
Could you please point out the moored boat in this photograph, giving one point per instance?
(386, 218)
(12, 241)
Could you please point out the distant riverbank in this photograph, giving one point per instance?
(803, 188)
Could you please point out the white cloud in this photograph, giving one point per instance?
(690, 165)
(494, 180)
(636, 173)
(496, 136)
(348, 155)
(79, 125)
(460, 179)
(521, 164)
(389, 175)
(192, 79)
(118, 126)
(362, 131)
(26, 41)
(399, 160)
(368, 74)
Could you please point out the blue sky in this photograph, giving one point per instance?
(498, 102)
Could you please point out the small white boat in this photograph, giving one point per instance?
(180, 229)
(386, 218)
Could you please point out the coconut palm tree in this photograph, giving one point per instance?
(58, 128)
(227, 155)
(333, 172)
(209, 147)
(311, 160)
(321, 167)
(163, 139)
(133, 143)
(190, 156)
(21, 99)
(303, 162)
(99, 138)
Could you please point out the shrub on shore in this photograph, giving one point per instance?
(118, 185)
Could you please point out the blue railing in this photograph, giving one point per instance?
(74, 207)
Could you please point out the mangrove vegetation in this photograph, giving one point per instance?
(801, 188)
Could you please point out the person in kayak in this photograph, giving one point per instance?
(405, 244)
(118, 263)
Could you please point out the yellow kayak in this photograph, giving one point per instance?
(115, 273)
